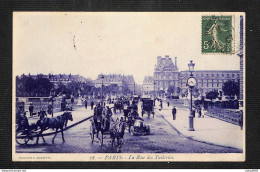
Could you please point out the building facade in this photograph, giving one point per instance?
(148, 85)
(166, 73)
(116, 79)
(63, 78)
(208, 80)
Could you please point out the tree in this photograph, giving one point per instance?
(170, 89)
(230, 88)
(212, 95)
(29, 87)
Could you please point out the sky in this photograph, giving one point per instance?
(90, 43)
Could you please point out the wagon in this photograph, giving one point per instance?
(147, 107)
(139, 128)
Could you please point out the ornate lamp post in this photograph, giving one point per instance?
(52, 93)
(102, 78)
(191, 82)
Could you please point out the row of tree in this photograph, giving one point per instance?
(41, 87)
(230, 88)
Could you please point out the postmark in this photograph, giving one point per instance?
(217, 36)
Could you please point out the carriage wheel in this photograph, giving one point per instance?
(21, 141)
(100, 138)
(92, 133)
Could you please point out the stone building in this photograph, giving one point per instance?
(116, 79)
(148, 85)
(165, 73)
(208, 80)
(63, 78)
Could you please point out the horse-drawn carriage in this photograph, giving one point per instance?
(118, 105)
(147, 106)
(26, 131)
(105, 127)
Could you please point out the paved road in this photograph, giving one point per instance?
(163, 139)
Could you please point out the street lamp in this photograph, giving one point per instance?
(52, 94)
(102, 78)
(154, 93)
(191, 82)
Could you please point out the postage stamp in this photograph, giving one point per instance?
(216, 34)
(115, 86)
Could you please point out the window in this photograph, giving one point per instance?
(201, 75)
(237, 74)
(217, 75)
(233, 75)
(212, 75)
(223, 75)
(207, 74)
(228, 75)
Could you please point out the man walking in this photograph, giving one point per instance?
(86, 104)
(174, 111)
(92, 104)
(199, 111)
(31, 109)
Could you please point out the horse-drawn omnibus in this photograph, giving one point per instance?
(147, 106)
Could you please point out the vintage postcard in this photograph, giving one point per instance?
(128, 86)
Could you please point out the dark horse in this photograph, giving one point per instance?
(118, 134)
(58, 122)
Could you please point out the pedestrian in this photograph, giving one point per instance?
(86, 104)
(168, 103)
(174, 111)
(202, 112)
(92, 104)
(31, 109)
(72, 100)
(161, 105)
(50, 109)
(199, 111)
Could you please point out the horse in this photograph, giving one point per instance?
(117, 132)
(58, 122)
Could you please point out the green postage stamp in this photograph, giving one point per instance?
(216, 34)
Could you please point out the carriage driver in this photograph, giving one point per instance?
(133, 114)
(21, 119)
(107, 117)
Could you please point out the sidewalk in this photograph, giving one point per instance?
(207, 129)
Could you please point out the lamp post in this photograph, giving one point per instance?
(102, 78)
(52, 93)
(154, 93)
(191, 82)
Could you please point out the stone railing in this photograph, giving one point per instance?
(228, 115)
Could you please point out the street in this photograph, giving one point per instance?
(163, 139)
